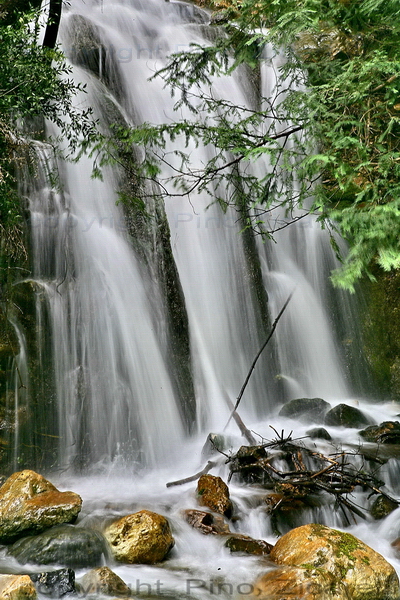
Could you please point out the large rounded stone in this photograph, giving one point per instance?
(214, 493)
(66, 545)
(364, 572)
(17, 587)
(143, 537)
(30, 504)
(295, 582)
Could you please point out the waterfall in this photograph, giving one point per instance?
(117, 377)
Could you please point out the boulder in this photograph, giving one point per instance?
(387, 432)
(67, 545)
(298, 583)
(344, 415)
(30, 504)
(248, 545)
(311, 410)
(319, 433)
(143, 537)
(55, 583)
(214, 493)
(382, 507)
(365, 573)
(103, 581)
(17, 587)
(206, 522)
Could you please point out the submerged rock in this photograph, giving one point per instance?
(243, 543)
(17, 587)
(30, 504)
(55, 583)
(67, 545)
(143, 537)
(382, 507)
(104, 581)
(387, 432)
(206, 522)
(365, 573)
(311, 410)
(344, 415)
(319, 433)
(214, 493)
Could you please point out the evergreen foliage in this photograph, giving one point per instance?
(330, 131)
(34, 86)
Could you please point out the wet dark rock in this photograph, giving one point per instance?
(55, 583)
(214, 493)
(344, 415)
(74, 547)
(382, 507)
(248, 545)
(387, 432)
(206, 522)
(319, 433)
(311, 410)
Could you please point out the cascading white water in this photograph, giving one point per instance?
(115, 395)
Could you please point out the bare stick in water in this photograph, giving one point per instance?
(207, 468)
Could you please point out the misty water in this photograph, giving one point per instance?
(125, 427)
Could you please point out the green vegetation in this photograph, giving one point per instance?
(330, 131)
(34, 86)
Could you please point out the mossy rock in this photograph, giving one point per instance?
(382, 507)
(364, 572)
(387, 432)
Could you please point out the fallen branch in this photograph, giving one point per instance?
(249, 374)
(206, 469)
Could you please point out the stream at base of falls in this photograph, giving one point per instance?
(200, 566)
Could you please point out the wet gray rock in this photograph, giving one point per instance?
(344, 415)
(66, 545)
(319, 433)
(54, 583)
(311, 410)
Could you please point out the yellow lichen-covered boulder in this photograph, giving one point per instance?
(365, 573)
(143, 537)
(214, 493)
(296, 583)
(17, 587)
(104, 581)
(31, 504)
